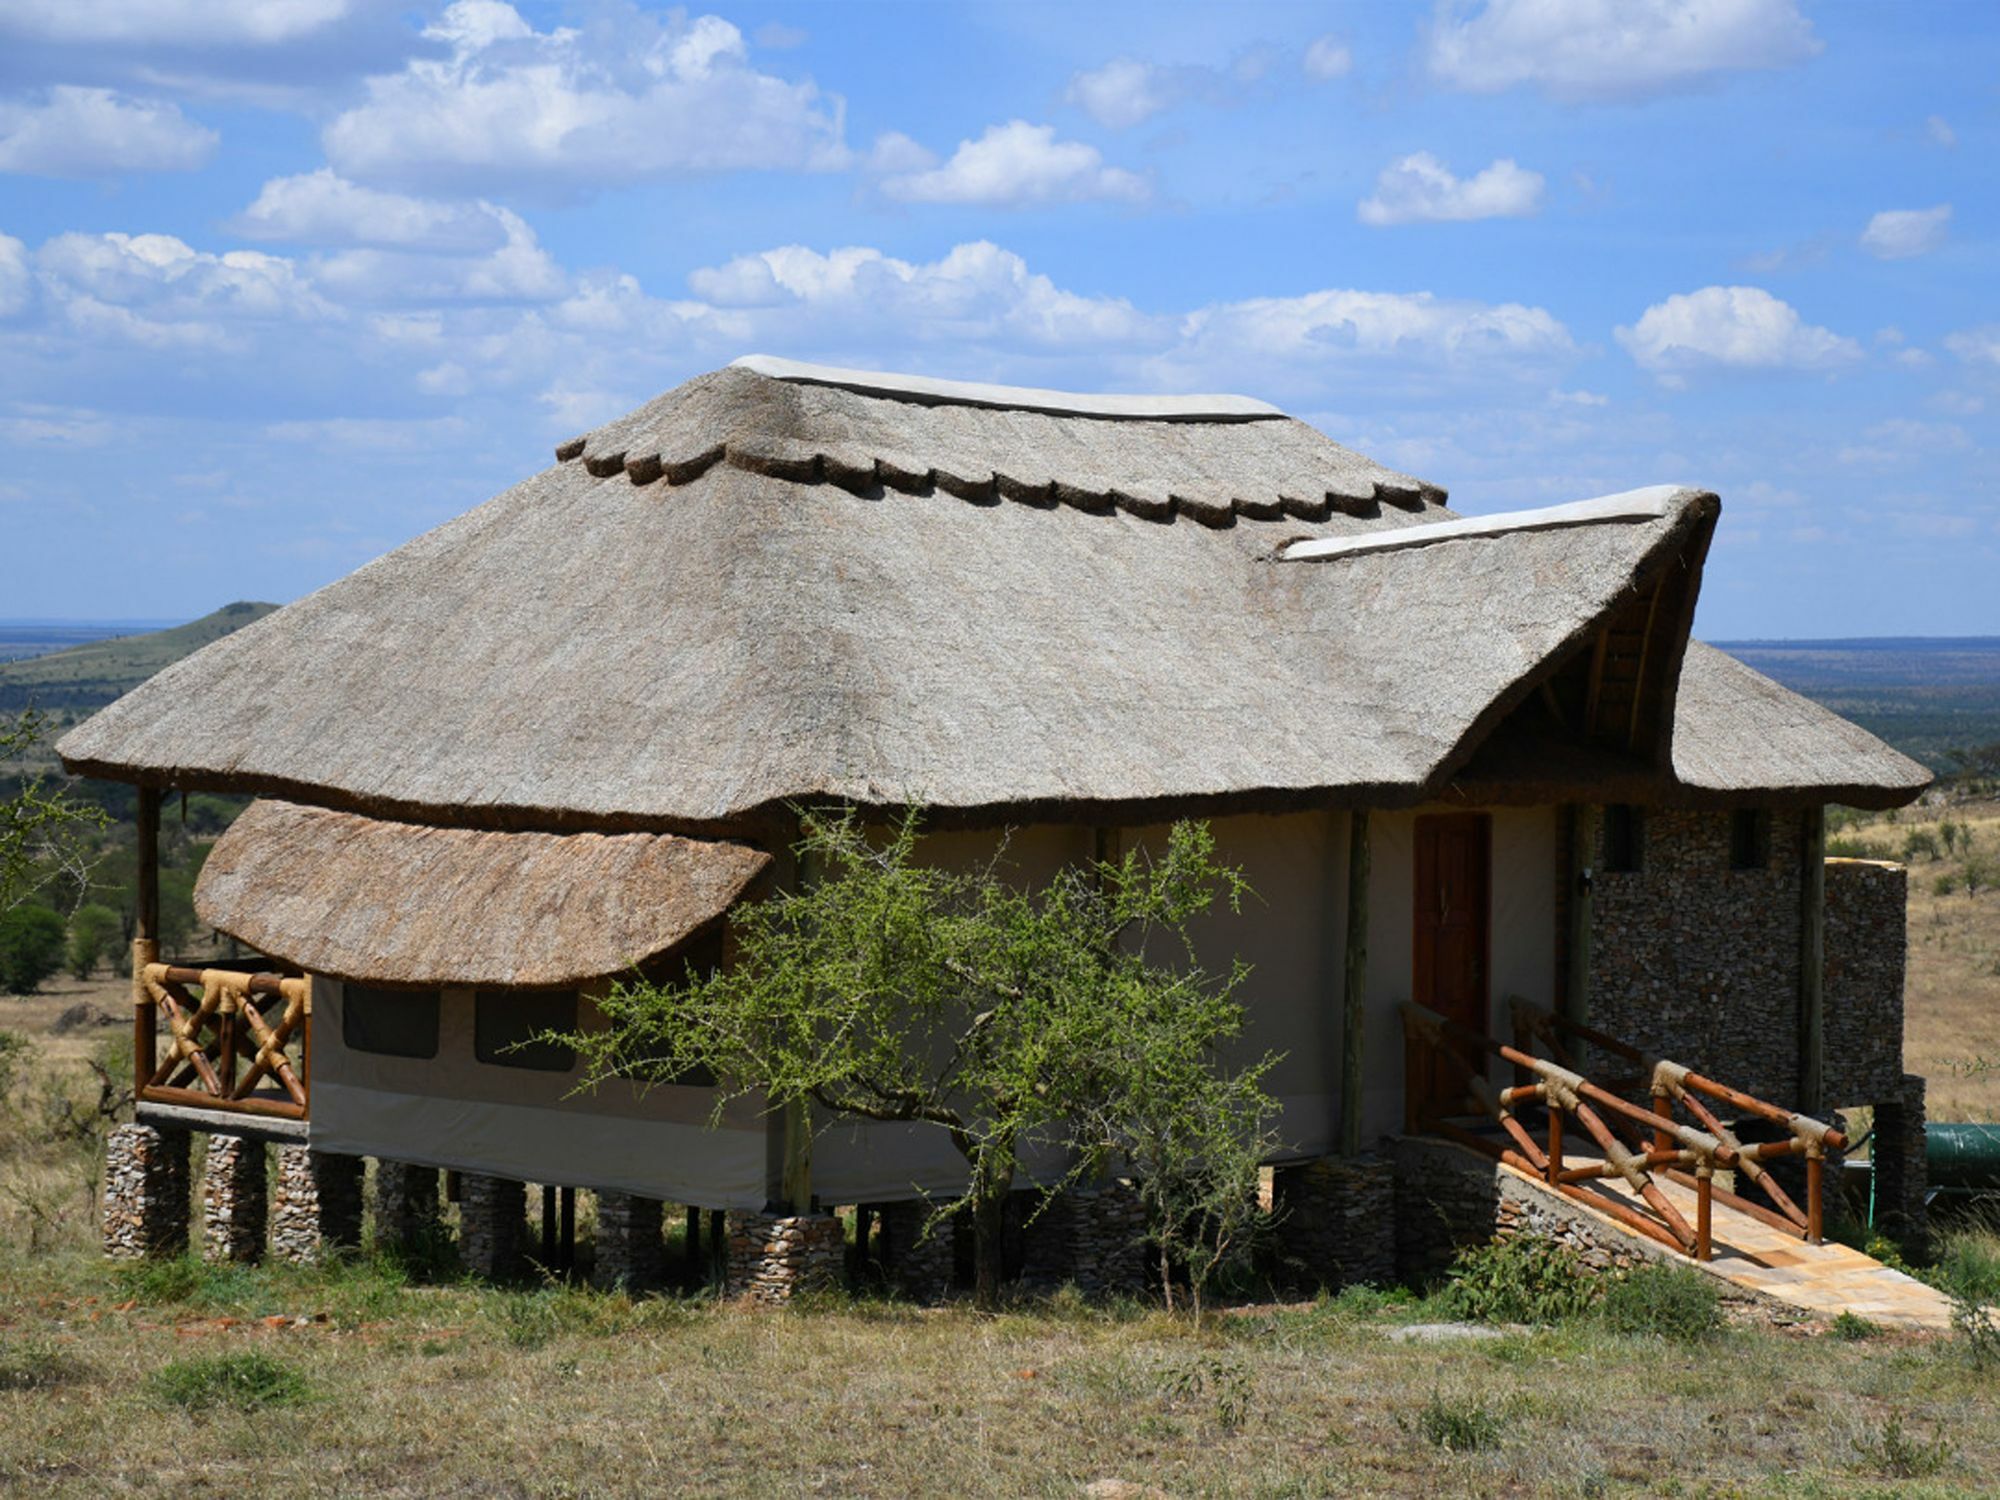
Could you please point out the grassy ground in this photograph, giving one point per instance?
(368, 1385)
(1951, 1031)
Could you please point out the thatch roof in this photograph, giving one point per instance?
(390, 903)
(756, 590)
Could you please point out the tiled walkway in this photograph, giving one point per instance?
(1821, 1279)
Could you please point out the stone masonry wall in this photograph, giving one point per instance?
(1336, 1221)
(317, 1211)
(1867, 947)
(406, 1206)
(919, 1268)
(1093, 1237)
(772, 1259)
(630, 1249)
(145, 1192)
(1699, 962)
(491, 1215)
(234, 1199)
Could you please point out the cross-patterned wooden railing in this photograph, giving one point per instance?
(232, 1041)
(1633, 1142)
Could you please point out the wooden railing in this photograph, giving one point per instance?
(234, 1041)
(1633, 1143)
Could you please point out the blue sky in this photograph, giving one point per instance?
(285, 282)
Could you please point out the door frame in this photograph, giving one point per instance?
(1418, 1069)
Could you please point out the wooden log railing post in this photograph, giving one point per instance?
(1555, 1143)
(1704, 1243)
(1354, 983)
(145, 938)
(1582, 918)
(1815, 1174)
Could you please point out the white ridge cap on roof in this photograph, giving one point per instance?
(931, 392)
(1652, 503)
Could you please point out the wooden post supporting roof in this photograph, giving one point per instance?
(1812, 962)
(1582, 859)
(794, 1186)
(145, 937)
(1354, 984)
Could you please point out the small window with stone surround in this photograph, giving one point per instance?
(1624, 839)
(389, 1023)
(506, 1025)
(1749, 839)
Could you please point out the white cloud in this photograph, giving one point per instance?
(1735, 327)
(632, 95)
(1122, 93)
(92, 132)
(176, 22)
(157, 291)
(1612, 49)
(1018, 164)
(1327, 58)
(1976, 346)
(17, 282)
(323, 208)
(1559, 397)
(1901, 440)
(1901, 233)
(895, 152)
(1421, 189)
(1940, 131)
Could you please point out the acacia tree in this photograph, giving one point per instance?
(44, 832)
(1074, 1016)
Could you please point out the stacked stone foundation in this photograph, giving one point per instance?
(1091, 1237)
(773, 1258)
(317, 1210)
(919, 1267)
(407, 1219)
(145, 1192)
(1334, 1222)
(631, 1249)
(235, 1199)
(492, 1215)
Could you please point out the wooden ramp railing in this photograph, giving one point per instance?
(1633, 1142)
(235, 1041)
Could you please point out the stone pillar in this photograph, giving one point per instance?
(491, 1212)
(235, 1199)
(921, 1269)
(1334, 1221)
(772, 1259)
(1091, 1236)
(318, 1208)
(630, 1250)
(1902, 1169)
(145, 1192)
(406, 1206)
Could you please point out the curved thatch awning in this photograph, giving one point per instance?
(404, 904)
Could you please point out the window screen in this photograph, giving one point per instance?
(504, 1021)
(1749, 839)
(1624, 838)
(392, 1023)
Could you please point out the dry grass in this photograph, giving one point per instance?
(420, 1391)
(1951, 1028)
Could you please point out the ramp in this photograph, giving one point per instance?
(1822, 1280)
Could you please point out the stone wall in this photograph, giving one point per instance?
(631, 1250)
(772, 1259)
(406, 1206)
(491, 1214)
(922, 1269)
(1335, 1221)
(317, 1211)
(145, 1192)
(1902, 1170)
(235, 1199)
(1091, 1237)
(1699, 962)
(1867, 947)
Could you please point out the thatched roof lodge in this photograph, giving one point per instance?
(560, 735)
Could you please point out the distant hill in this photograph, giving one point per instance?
(1926, 695)
(74, 682)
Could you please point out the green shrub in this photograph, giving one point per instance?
(1526, 1279)
(245, 1382)
(1460, 1425)
(1898, 1455)
(1668, 1302)
(1920, 843)
(1968, 1264)
(189, 1281)
(1853, 1328)
(31, 948)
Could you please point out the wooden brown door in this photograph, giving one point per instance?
(1449, 967)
